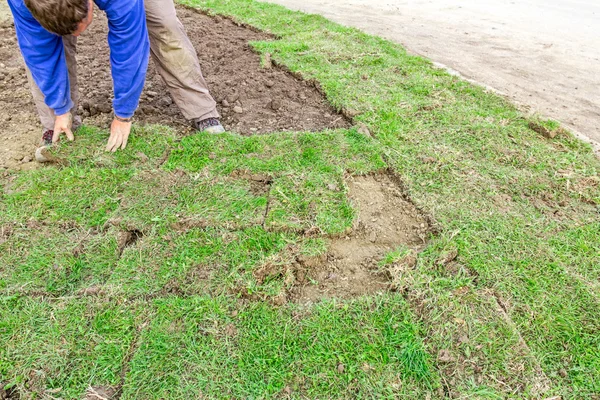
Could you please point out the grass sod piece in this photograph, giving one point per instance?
(198, 261)
(178, 201)
(216, 348)
(147, 148)
(85, 195)
(554, 308)
(311, 201)
(54, 261)
(477, 348)
(278, 154)
(448, 140)
(60, 348)
(578, 250)
(86, 189)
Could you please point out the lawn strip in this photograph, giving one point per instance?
(217, 348)
(465, 155)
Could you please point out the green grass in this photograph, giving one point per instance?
(180, 313)
(62, 347)
(214, 348)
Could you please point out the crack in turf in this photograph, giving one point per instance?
(165, 156)
(545, 381)
(128, 239)
(133, 347)
(268, 205)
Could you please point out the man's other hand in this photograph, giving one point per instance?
(62, 124)
(119, 133)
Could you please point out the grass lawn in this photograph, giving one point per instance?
(144, 273)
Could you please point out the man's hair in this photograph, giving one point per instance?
(59, 16)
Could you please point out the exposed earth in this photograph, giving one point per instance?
(252, 98)
(541, 54)
(386, 220)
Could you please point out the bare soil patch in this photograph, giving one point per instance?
(21, 129)
(252, 99)
(100, 393)
(386, 221)
(8, 394)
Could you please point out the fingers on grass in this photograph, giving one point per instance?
(111, 143)
(124, 144)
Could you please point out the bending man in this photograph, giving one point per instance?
(47, 32)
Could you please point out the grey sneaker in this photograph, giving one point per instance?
(208, 125)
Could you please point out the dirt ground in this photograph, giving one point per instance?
(252, 99)
(386, 222)
(542, 54)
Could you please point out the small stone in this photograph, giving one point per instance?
(372, 237)
(279, 300)
(151, 93)
(445, 356)
(232, 98)
(303, 97)
(225, 103)
(26, 159)
(142, 157)
(165, 102)
(341, 368)
(563, 373)
(363, 130)
(104, 108)
(238, 110)
(332, 186)
(275, 105)
(351, 113)
(269, 84)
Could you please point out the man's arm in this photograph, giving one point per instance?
(129, 52)
(44, 55)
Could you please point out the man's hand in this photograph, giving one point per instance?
(62, 124)
(119, 133)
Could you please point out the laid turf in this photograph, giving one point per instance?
(139, 271)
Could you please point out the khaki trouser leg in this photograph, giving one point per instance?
(177, 62)
(45, 113)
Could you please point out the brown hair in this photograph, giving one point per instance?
(58, 16)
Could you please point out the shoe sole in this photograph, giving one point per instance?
(42, 155)
(213, 130)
